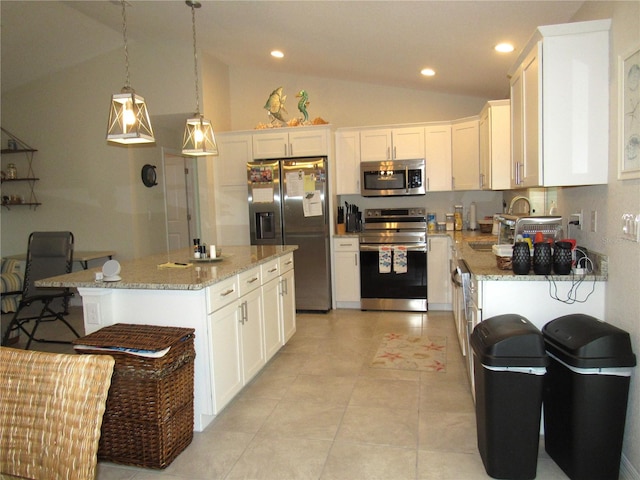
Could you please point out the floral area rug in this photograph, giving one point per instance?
(403, 352)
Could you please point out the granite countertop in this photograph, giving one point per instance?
(144, 273)
(483, 264)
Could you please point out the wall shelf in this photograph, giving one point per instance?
(23, 152)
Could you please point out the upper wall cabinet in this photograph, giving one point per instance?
(348, 162)
(294, 142)
(495, 145)
(404, 143)
(560, 107)
(437, 140)
(465, 154)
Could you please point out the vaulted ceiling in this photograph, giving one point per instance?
(380, 42)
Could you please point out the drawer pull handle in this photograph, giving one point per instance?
(224, 294)
(275, 269)
(254, 279)
(288, 262)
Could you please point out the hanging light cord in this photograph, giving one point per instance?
(127, 84)
(193, 6)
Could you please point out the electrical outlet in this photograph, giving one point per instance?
(576, 217)
(93, 313)
(594, 221)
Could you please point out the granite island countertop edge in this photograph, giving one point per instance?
(144, 274)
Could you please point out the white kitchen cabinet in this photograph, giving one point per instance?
(347, 162)
(226, 360)
(271, 308)
(437, 141)
(294, 142)
(235, 150)
(287, 297)
(251, 334)
(230, 180)
(224, 338)
(495, 145)
(439, 289)
(346, 251)
(465, 154)
(560, 107)
(533, 300)
(403, 143)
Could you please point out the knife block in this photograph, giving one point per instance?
(353, 223)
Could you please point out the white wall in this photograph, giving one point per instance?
(87, 186)
(611, 201)
(342, 103)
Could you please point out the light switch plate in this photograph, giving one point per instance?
(631, 227)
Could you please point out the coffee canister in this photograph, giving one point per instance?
(542, 259)
(521, 258)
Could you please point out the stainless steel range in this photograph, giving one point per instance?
(393, 260)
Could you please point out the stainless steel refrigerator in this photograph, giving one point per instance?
(288, 206)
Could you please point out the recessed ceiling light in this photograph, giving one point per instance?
(277, 54)
(504, 48)
(428, 72)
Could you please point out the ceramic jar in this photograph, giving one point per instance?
(521, 258)
(562, 258)
(542, 258)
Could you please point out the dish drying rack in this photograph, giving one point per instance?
(513, 225)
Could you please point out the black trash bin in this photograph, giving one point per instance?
(509, 367)
(585, 395)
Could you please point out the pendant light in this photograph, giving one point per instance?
(128, 116)
(198, 137)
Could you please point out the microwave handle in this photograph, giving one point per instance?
(406, 177)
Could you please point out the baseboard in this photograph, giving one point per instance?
(627, 471)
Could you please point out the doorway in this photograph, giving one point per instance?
(181, 206)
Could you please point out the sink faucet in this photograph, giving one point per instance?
(517, 199)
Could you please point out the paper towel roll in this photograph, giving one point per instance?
(473, 224)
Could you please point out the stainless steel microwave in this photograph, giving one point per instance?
(392, 178)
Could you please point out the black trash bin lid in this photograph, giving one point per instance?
(583, 341)
(509, 340)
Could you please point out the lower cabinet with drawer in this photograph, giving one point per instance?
(346, 254)
(251, 316)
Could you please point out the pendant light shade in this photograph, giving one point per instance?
(198, 139)
(129, 121)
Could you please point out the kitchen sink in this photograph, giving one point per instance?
(481, 246)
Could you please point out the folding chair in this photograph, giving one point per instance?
(49, 254)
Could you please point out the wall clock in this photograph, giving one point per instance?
(149, 175)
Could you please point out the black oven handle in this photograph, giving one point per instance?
(367, 247)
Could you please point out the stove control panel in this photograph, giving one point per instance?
(394, 212)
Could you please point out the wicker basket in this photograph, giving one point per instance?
(149, 417)
(504, 263)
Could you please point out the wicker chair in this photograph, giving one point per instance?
(51, 408)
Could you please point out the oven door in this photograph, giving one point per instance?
(393, 291)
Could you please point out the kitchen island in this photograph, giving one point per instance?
(242, 307)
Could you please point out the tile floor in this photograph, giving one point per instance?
(317, 411)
